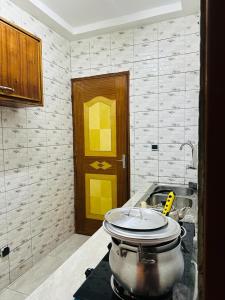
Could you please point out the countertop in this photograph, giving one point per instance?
(63, 283)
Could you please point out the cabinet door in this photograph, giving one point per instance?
(30, 72)
(20, 67)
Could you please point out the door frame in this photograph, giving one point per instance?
(124, 73)
(211, 224)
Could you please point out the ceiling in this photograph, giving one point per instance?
(79, 18)
(84, 12)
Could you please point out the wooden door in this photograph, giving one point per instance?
(101, 147)
(20, 66)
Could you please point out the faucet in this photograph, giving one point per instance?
(193, 166)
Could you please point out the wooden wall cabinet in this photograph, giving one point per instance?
(20, 67)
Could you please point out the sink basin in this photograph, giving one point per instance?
(178, 190)
(158, 201)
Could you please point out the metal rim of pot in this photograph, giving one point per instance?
(146, 238)
(154, 248)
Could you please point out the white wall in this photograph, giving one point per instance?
(163, 60)
(36, 167)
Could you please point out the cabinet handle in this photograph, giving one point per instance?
(7, 89)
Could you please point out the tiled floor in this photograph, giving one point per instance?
(29, 281)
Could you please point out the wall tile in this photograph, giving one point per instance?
(171, 118)
(170, 152)
(76, 73)
(36, 138)
(192, 80)
(171, 135)
(192, 42)
(172, 64)
(171, 180)
(38, 191)
(172, 100)
(36, 118)
(25, 135)
(19, 255)
(4, 272)
(122, 38)
(191, 134)
(18, 217)
(122, 55)
(173, 46)
(37, 173)
(146, 135)
(191, 24)
(191, 117)
(171, 28)
(80, 47)
(192, 99)
(41, 245)
(144, 151)
(145, 33)
(100, 43)
(171, 169)
(15, 158)
(145, 86)
(19, 236)
(146, 68)
(16, 178)
(146, 51)
(3, 223)
(101, 70)
(1, 160)
(80, 62)
(146, 103)
(192, 62)
(146, 119)
(17, 198)
(37, 155)
(14, 138)
(124, 67)
(14, 118)
(11, 12)
(100, 59)
(2, 203)
(172, 83)
(146, 167)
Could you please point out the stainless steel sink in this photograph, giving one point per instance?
(184, 204)
(178, 190)
(158, 201)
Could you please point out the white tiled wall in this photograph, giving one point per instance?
(163, 60)
(36, 166)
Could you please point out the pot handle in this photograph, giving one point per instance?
(124, 248)
(183, 232)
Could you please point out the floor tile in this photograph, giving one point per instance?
(29, 281)
(67, 248)
(8, 294)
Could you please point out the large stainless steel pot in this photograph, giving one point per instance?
(149, 271)
(143, 262)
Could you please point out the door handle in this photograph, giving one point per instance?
(7, 89)
(123, 160)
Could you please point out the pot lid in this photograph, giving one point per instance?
(136, 218)
(152, 237)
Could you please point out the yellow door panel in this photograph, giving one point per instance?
(100, 127)
(100, 195)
